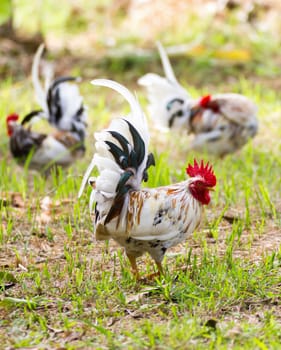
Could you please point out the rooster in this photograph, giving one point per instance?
(43, 151)
(221, 124)
(62, 106)
(141, 220)
(60, 101)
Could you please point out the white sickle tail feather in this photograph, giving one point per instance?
(168, 100)
(137, 116)
(39, 91)
(121, 157)
(65, 104)
(59, 99)
(169, 72)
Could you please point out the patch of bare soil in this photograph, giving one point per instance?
(47, 217)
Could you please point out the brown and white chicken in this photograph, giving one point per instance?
(141, 219)
(43, 151)
(62, 106)
(221, 123)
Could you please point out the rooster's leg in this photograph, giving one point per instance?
(159, 273)
(160, 268)
(133, 263)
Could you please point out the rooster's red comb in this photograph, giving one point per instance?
(204, 100)
(205, 171)
(12, 118)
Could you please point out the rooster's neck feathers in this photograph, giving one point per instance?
(121, 153)
(129, 157)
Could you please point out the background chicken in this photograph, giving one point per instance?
(45, 151)
(169, 102)
(60, 100)
(62, 106)
(221, 123)
(141, 220)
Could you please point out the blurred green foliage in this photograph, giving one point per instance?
(5, 10)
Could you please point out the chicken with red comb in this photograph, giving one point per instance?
(59, 148)
(62, 107)
(221, 123)
(142, 220)
(9, 120)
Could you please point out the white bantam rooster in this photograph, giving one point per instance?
(221, 123)
(43, 151)
(141, 220)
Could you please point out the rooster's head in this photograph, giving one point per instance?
(206, 102)
(203, 182)
(12, 118)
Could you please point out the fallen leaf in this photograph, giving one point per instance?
(22, 267)
(135, 297)
(55, 330)
(233, 55)
(135, 314)
(74, 336)
(140, 296)
(17, 200)
(12, 198)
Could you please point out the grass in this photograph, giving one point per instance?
(62, 289)
(221, 288)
